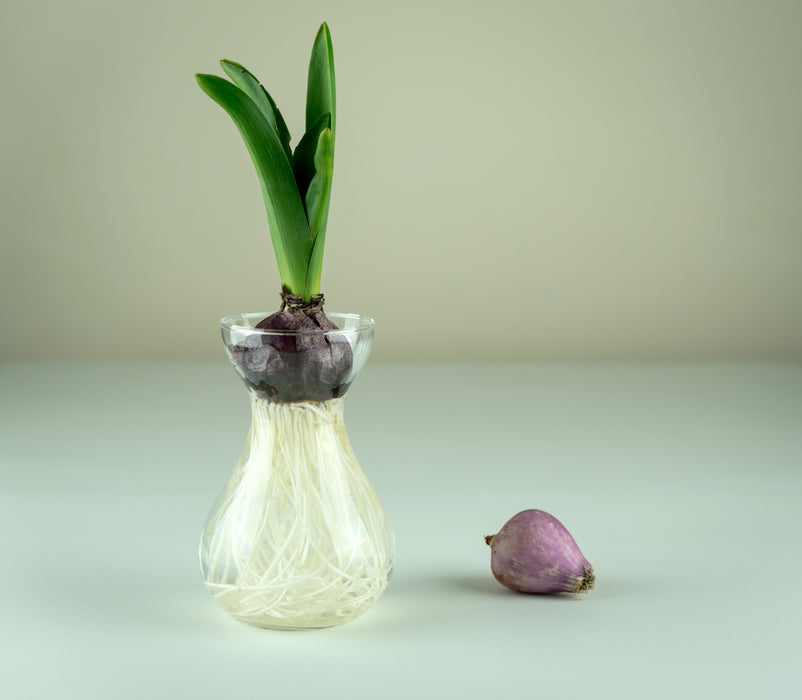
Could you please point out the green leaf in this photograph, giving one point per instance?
(321, 100)
(319, 192)
(320, 89)
(281, 126)
(303, 161)
(289, 229)
(318, 197)
(247, 82)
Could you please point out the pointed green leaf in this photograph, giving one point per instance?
(321, 89)
(289, 229)
(319, 192)
(318, 197)
(247, 82)
(281, 126)
(303, 160)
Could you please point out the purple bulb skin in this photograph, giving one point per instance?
(305, 364)
(534, 553)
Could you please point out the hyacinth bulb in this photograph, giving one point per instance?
(535, 553)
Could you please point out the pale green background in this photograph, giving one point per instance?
(514, 180)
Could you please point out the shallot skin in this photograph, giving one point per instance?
(535, 553)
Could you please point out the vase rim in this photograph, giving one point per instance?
(348, 323)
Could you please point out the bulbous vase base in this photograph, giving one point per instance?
(298, 538)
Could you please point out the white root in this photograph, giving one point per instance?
(298, 537)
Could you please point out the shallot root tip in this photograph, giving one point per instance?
(584, 584)
(489, 540)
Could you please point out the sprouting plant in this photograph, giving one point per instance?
(296, 184)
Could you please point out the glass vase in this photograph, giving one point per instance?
(297, 538)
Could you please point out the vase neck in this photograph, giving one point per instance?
(266, 410)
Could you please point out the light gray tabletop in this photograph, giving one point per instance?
(681, 484)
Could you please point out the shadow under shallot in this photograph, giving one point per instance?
(440, 598)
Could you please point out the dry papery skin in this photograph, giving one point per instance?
(298, 537)
(535, 553)
(311, 365)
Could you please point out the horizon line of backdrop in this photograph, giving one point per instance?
(518, 181)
